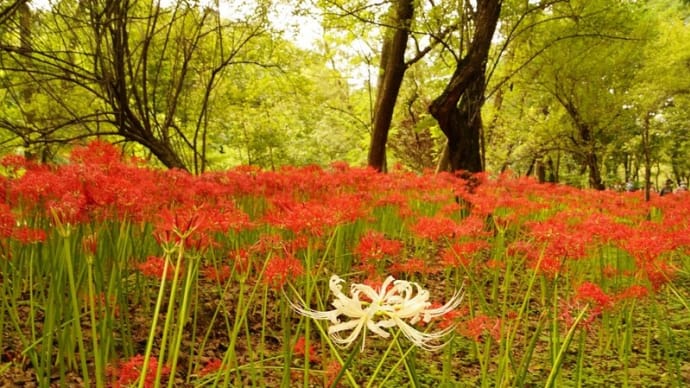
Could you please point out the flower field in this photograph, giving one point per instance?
(114, 274)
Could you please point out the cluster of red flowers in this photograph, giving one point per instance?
(128, 372)
(154, 266)
(300, 349)
(264, 223)
(212, 366)
(279, 270)
(480, 326)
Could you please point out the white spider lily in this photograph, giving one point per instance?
(397, 303)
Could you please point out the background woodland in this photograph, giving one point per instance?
(593, 93)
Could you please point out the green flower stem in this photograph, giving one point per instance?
(182, 314)
(383, 358)
(287, 352)
(154, 323)
(409, 362)
(580, 360)
(98, 359)
(345, 367)
(264, 325)
(403, 358)
(556, 368)
(76, 326)
(169, 315)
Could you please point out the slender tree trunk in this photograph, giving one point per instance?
(392, 71)
(647, 159)
(585, 142)
(591, 159)
(458, 108)
(25, 44)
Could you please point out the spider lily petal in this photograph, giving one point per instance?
(396, 303)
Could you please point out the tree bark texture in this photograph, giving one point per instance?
(585, 142)
(458, 108)
(392, 71)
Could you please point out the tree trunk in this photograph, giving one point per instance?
(592, 162)
(585, 142)
(458, 108)
(464, 146)
(391, 74)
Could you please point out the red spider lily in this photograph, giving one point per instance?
(281, 269)
(128, 372)
(570, 310)
(593, 294)
(587, 295)
(603, 228)
(452, 317)
(193, 224)
(300, 349)
(610, 271)
(459, 255)
(268, 243)
(7, 221)
(495, 264)
(349, 208)
(657, 272)
(212, 366)
(70, 209)
(411, 266)
(14, 162)
(311, 218)
(179, 225)
(481, 325)
(635, 291)
(650, 242)
(332, 371)
(434, 228)
(523, 248)
(314, 217)
(32, 188)
(154, 266)
(90, 244)
(26, 235)
(450, 209)
(340, 166)
(219, 275)
(96, 152)
(374, 246)
(240, 261)
(397, 200)
(548, 265)
(559, 239)
(473, 227)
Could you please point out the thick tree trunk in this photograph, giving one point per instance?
(166, 155)
(392, 71)
(592, 162)
(591, 159)
(458, 108)
(463, 128)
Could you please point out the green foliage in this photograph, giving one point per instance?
(225, 87)
(184, 78)
(569, 82)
